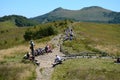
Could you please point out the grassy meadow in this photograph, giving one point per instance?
(13, 47)
(12, 67)
(89, 37)
(94, 37)
(10, 34)
(87, 69)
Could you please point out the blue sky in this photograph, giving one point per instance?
(33, 8)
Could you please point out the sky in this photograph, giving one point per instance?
(33, 8)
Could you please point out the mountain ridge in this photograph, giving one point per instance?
(89, 14)
(86, 14)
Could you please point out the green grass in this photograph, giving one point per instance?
(10, 34)
(95, 37)
(11, 37)
(16, 71)
(91, 37)
(88, 37)
(6, 25)
(105, 33)
(12, 68)
(87, 69)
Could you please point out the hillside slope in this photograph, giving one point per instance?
(89, 14)
(18, 20)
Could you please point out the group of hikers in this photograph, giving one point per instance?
(35, 52)
(47, 49)
(68, 34)
(40, 51)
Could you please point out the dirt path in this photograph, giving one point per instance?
(45, 69)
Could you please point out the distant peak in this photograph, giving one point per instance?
(59, 8)
(96, 8)
(92, 7)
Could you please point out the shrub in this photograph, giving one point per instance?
(40, 33)
(28, 35)
(5, 42)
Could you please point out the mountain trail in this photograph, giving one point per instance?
(44, 70)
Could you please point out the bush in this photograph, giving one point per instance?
(28, 35)
(40, 33)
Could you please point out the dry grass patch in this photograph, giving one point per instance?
(17, 71)
(11, 67)
(111, 49)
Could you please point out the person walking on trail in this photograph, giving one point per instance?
(32, 47)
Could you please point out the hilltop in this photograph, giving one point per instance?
(18, 20)
(88, 14)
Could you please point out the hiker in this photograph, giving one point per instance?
(71, 34)
(32, 58)
(32, 47)
(58, 59)
(66, 34)
(48, 48)
(118, 60)
(39, 51)
(27, 56)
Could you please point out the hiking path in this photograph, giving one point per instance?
(45, 69)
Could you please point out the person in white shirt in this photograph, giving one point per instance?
(57, 59)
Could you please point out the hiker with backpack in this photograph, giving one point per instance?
(32, 47)
(68, 34)
(48, 48)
